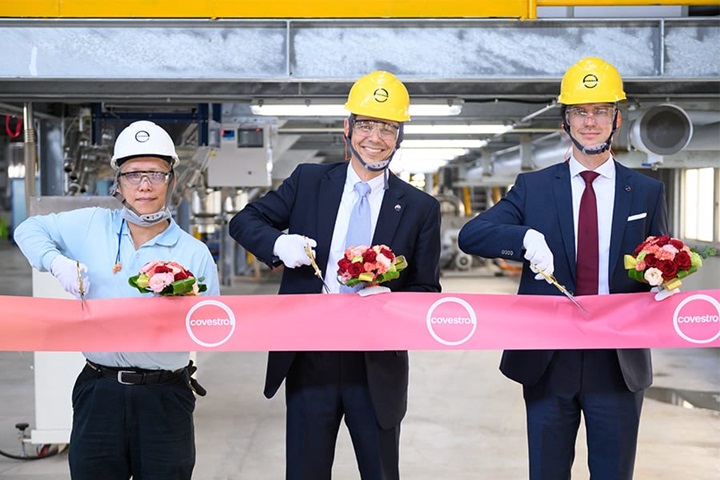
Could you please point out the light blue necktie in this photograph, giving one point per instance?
(359, 228)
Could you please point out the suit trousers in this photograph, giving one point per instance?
(322, 388)
(587, 382)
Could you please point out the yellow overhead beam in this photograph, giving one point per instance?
(293, 9)
(285, 9)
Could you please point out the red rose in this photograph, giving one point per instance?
(369, 256)
(668, 268)
(355, 269)
(677, 243)
(683, 260)
(344, 265)
(161, 269)
(662, 240)
(651, 260)
(182, 275)
(387, 253)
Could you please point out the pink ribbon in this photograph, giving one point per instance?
(389, 321)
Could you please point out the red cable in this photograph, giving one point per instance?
(18, 127)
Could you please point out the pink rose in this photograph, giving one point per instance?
(160, 280)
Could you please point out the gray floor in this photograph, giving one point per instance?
(465, 420)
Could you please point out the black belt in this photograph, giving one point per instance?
(136, 376)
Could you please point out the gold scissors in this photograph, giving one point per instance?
(318, 273)
(81, 287)
(553, 280)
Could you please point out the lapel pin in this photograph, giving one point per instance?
(397, 208)
(627, 188)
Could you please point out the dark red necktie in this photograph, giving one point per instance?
(587, 241)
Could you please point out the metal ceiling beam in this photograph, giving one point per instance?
(225, 60)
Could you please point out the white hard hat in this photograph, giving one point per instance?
(143, 138)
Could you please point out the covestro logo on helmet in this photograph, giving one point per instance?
(697, 319)
(451, 321)
(381, 95)
(210, 323)
(142, 136)
(590, 80)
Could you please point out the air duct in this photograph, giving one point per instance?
(662, 130)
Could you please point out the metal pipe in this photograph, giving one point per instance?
(30, 154)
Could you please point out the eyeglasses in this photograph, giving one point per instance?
(601, 115)
(386, 131)
(136, 178)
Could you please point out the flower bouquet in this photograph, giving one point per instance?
(662, 261)
(369, 267)
(166, 279)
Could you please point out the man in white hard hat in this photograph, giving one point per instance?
(132, 411)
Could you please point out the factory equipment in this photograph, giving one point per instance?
(243, 157)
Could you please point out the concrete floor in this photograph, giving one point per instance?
(465, 420)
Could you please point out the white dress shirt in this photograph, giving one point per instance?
(349, 197)
(604, 186)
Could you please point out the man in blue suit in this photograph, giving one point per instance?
(368, 389)
(540, 219)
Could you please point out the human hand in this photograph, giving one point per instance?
(663, 293)
(291, 250)
(538, 254)
(71, 275)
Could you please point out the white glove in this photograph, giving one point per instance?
(538, 253)
(291, 250)
(663, 293)
(68, 274)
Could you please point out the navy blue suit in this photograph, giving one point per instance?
(307, 204)
(542, 200)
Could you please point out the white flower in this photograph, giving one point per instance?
(653, 276)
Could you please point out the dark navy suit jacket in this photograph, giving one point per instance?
(542, 200)
(307, 204)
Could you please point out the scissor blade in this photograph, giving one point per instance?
(572, 299)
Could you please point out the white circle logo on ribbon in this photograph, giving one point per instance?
(451, 321)
(697, 319)
(210, 323)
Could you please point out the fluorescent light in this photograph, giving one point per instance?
(318, 109)
(299, 110)
(413, 154)
(457, 129)
(410, 143)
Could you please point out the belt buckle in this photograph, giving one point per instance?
(119, 377)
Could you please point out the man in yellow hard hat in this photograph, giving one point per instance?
(576, 220)
(323, 207)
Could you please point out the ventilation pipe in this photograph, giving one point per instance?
(662, 130)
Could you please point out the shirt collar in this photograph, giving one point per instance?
(606, 170)
(352, 178)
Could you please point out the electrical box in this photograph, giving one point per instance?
(243, 157)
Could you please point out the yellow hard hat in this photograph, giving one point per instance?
(591, 80)
(379, 94)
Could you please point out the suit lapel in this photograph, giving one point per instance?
(563, 201)
(331, 189)
(621, 211)
(391, 211)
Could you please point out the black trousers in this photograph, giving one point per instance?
(143, 431)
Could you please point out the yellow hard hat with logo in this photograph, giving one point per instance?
(591, 80)
(379, 94)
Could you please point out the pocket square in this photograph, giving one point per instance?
(637, 216)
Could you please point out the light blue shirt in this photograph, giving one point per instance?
(92, 236)
(347, 201)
